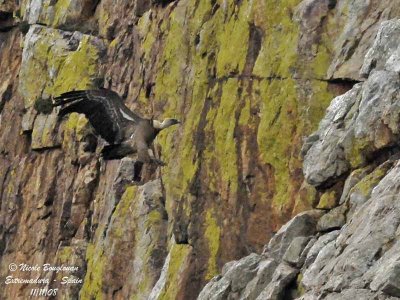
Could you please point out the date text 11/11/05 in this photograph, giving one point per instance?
(43, 292)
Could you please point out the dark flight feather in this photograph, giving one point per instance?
(105, 110)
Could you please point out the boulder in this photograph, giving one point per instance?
(384, 53)
(302, 225)
(295, 255)
(283, 276)
(236, 276)
(334, 219)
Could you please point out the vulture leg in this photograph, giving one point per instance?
(144, 156)
(137, 171)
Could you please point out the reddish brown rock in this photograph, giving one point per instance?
(248, 86)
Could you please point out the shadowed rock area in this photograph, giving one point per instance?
(249, 86)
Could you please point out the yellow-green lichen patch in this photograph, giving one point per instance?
(103, 15)
(145, 249)
(287, 116)
(232, 40)
(99, 255)
(367, 184)
(148, 33)
(300, 288)
(322, 50)
(168, 92)
(171, 77)
(321, 62)
(93, 282)
(126, 201)
(153, 219)
(43, 133)
(306, 198)
(355, 154)
(201, 13)
(76, 129)
(245, 117)
(178, 263)
(78, 70)
(49, 68)
(328, 200)
(277, 133)
(38, 61)
(65, 254)
(314, 106)
(224, 128)
(212, 236)
(72, 122)
(181, 173)
(61, 12)
(278, 54)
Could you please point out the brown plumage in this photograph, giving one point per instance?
(125, 131)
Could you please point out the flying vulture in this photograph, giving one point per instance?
(125, 131)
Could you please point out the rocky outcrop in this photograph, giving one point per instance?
(270, 275)
(350, 251)
(248, 85)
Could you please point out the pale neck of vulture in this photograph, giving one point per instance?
(164, 124)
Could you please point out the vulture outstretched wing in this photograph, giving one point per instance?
(105, 110)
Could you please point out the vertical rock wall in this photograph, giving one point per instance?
(249, 80)
(348, 249)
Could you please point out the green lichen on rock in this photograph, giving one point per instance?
(367, 184)
(300, 288)
(321, 62)
(93, 281)
(97, 255)
(212, 235)
(232, 37)
(278, 54)
(79, 69)
(37, 60)
(225, 141)
(44, 134)
(171, 76)
(355, 155)
(179, 255)
(279, 137)
(328, 200)
(50, 68)
(122, 210)
(65, 254)
(103, 18)
(61, 10)
(76, 128)
(277, 132)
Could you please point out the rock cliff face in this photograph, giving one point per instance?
(350, 250)
(249, 80)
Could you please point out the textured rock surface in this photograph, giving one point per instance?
(302, 225)
(352, 251)
(359, 125)
(248, 86)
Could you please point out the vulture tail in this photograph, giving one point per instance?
(117, 151)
